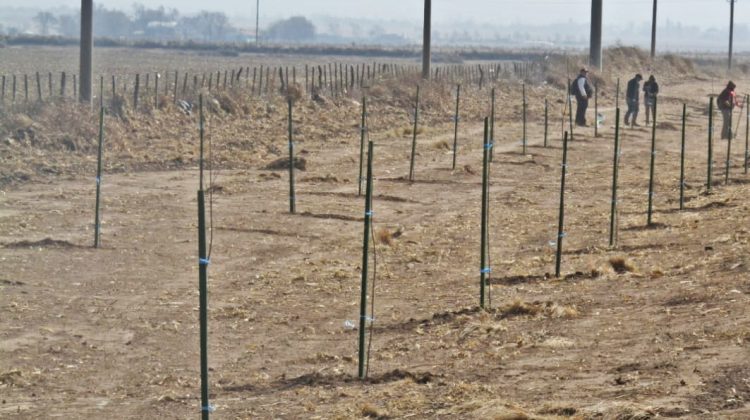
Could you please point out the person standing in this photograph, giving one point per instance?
(582, 90)
(632, 95)
(726, 102)
(650, 90)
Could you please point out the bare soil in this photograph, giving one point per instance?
(656, 327)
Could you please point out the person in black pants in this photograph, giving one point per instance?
(583, 92)
(632, 95)
(650, 90)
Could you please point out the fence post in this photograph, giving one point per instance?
(362, 133)
(414, 138)
(709, 180)
(615, 172)
(38, 87)
(561, 217)
(546, 121)
(651, 171)
(136, 91)
(292, 197)
(97, 220)
(682, 159)
(365, 261)
(455, 126)
(484, 270)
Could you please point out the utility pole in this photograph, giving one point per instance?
(595, 49)
(731, 31)
(653, 33)
(426, 41)
(87, 50)
(257, 22)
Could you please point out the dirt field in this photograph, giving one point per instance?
(663, 332)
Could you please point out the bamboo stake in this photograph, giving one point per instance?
(97, 219)
(615, 172)
(561, 217)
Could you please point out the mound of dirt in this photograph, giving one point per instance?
(283, 164)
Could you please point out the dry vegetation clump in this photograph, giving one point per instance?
(384, 237)
(621, 265)
(370, 411)
(548, 309)
(294, 92)
(283, 164)
(441, 145)
(226, 103)
(119, 106)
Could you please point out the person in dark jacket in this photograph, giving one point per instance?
(650, 90)
(583, 92)
(726, 102)
(632, 95)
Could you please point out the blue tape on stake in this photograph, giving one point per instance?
(98, 180)
(488, 146)
(367, 318)
(562, 235)
(369, 213)
(209, 408)
(485, 270)
(204, 261)
(291, 144)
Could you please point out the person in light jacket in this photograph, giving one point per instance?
(582, 90)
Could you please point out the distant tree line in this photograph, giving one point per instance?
(164, 24)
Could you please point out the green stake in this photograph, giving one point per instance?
(570, 108)
(484, 270)
(414, 138)
(525, 105)
(365, 260)
(492, 125)
(561, 218)
(729, 149)
(617, 94)
(203, 276)
(710, 144)
(615, 172)
(97, 221)
(682, 159)
(651, 172)
(546, 121)
(455, 126)
(596, 110)
(747, 130)
(362, 134)
(292, 198)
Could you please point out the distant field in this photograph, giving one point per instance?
(122, 61)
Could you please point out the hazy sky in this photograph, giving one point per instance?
(704, 13)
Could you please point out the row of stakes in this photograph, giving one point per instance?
(337, 77)
(488, 147)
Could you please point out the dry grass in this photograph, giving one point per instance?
(548, 309)
(441, 145)
(621, 265)
(384, 237)
(370, 411)
(519, 307)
